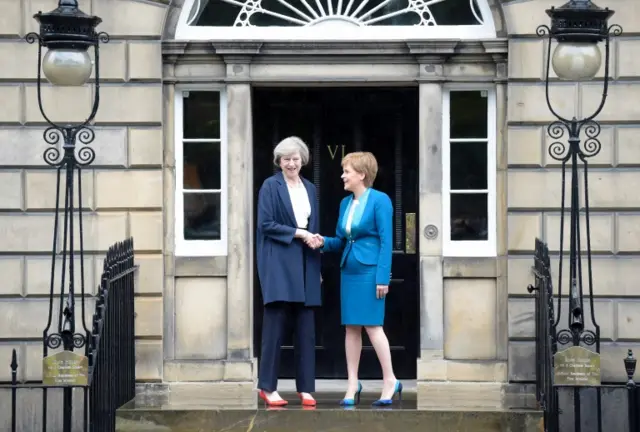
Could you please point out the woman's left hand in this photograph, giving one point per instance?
(382, 291)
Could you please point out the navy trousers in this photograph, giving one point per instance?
(274, 323)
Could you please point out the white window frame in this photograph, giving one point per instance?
(184, 31)
(199, 247)
(469, 248)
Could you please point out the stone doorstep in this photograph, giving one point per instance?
(426, 394)
(245, 394)
(232, 407)
(296, 419)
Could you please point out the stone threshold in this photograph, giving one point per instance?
(339, 386)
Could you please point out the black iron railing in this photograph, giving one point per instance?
(113, 375)
(110, 352)
(546, 345)
(566, 415)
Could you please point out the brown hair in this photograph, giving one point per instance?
(363, 163)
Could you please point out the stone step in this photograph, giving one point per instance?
(158, 412)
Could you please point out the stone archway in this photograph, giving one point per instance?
(171, 19)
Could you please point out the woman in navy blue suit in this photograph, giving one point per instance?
(364, 235)
(288, 270)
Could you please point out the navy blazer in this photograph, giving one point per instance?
(371, 241)
(289, 271)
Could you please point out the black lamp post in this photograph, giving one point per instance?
(578, 27)
(67, 34)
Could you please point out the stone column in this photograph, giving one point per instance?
(240, 231)
(430, 58)
(502, 166)
(169, 163)
(431, 365)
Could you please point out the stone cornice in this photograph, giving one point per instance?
(436, 47)
(237, 48)
(496, 46)
(428, 51)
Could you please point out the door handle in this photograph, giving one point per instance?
(410, 233)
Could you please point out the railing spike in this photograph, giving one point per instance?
(630, 367)
(14, 360)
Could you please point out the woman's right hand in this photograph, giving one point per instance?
(302, 234)
(315, 241)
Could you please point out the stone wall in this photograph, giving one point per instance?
(534, 184)
(131, 183)
(122, 190)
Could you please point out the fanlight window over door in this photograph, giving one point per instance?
(335, 19)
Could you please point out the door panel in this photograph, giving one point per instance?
(334, 122)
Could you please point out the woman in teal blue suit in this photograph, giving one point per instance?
(364, 235)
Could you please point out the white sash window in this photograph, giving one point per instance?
(469, 172)
(201, 172)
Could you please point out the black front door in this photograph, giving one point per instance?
(334, 122)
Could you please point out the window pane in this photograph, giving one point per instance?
(468, 165)
(454, 12)
(261, 19)
(469, 217)
(202, 216)
(390, 15)
(468, 114)
(201, 114)
(201, 165)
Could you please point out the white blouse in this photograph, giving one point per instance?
(352, 210)
(301, 204)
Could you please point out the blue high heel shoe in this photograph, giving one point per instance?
(355, 400)
(387, 402)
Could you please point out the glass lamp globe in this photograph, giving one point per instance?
(67, 67)
(576, 61)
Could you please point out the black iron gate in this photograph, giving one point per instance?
(108, 345)
(578, 409)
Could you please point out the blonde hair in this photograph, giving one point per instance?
(363, 163)
(289, 146)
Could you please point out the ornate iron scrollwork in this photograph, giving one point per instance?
(585, 337)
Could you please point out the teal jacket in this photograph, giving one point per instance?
(371, 238)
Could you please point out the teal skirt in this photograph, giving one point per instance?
(358, 302)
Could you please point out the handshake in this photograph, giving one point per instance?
(314, 241)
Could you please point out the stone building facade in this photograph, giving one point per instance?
(195, 301)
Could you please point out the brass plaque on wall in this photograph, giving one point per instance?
(65, 368)
(410, 246)
(576, 366)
